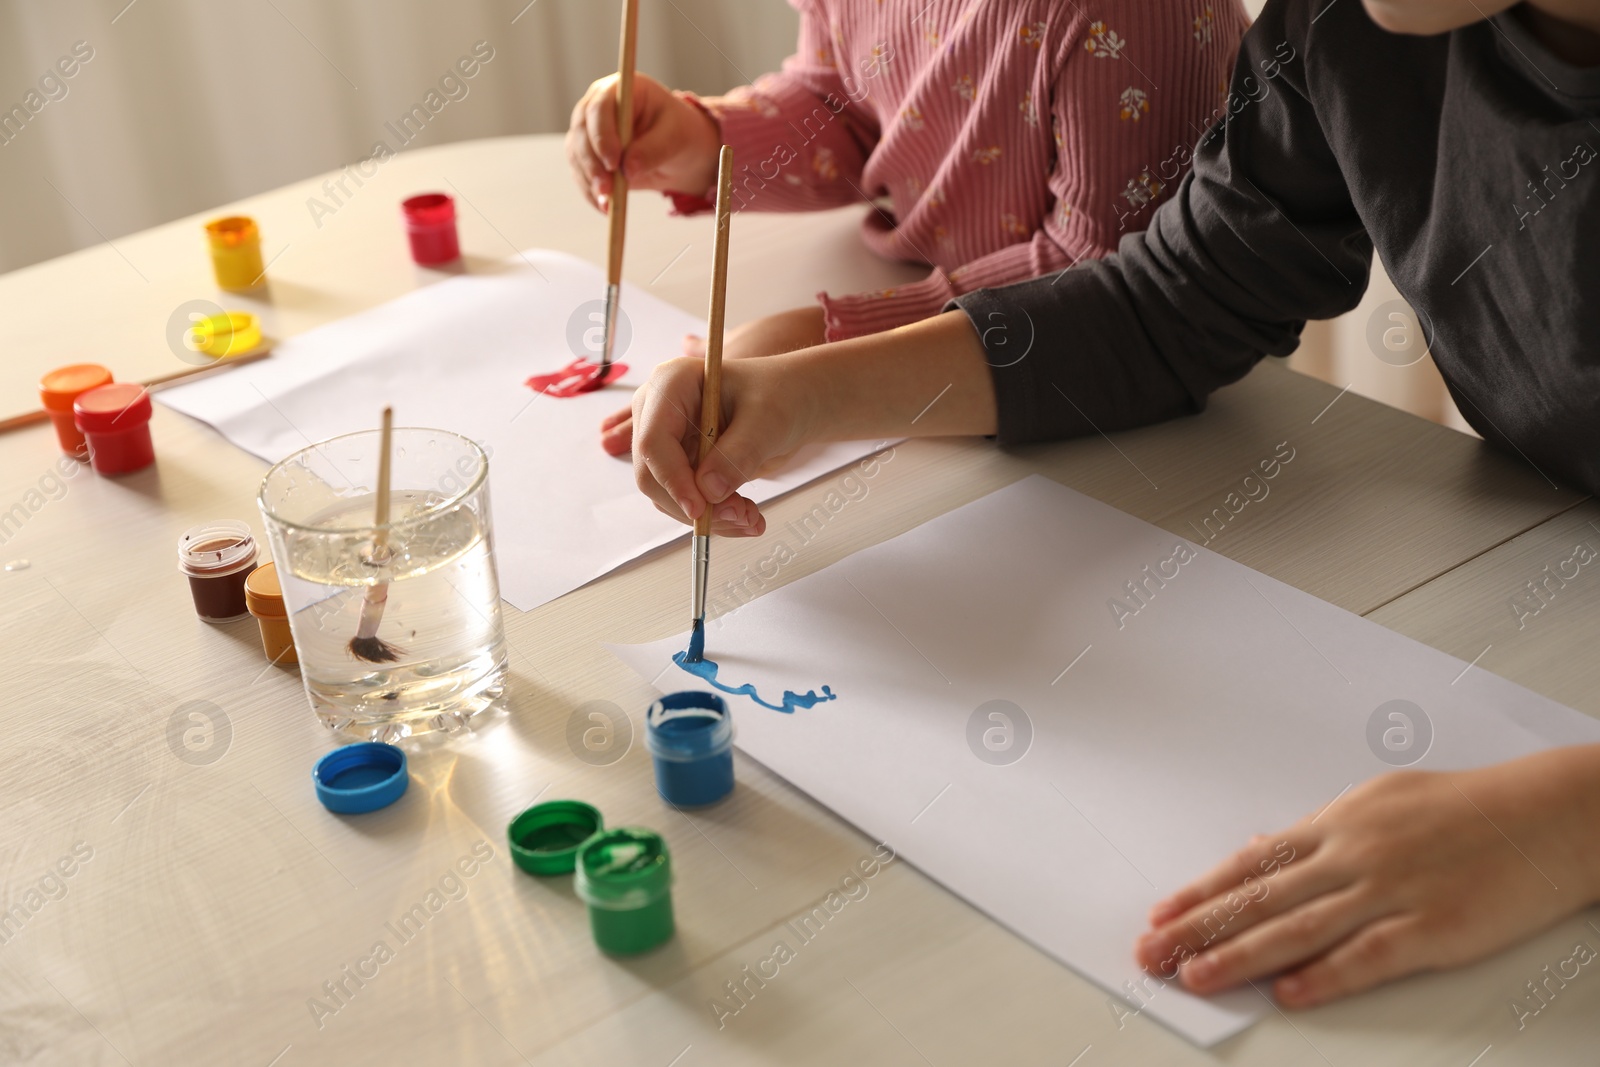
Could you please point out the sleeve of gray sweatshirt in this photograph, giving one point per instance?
(1260, 236)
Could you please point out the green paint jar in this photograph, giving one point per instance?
(625, 877)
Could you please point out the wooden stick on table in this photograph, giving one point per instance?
(34, 417)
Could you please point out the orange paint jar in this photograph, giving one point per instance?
(263, 595)
(57, 392)
(236, 253)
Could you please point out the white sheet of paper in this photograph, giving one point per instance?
(455, 355)
(1230, 704)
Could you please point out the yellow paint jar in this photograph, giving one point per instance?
(236, 253)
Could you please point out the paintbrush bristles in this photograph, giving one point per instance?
(366, 644)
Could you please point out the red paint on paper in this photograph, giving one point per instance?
(579, 376)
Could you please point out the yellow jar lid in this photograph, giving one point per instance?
(231, 333)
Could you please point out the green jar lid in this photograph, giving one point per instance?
(545, 838)
(625, 877)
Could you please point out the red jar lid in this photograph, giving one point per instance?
(112, 408)
(429, 209)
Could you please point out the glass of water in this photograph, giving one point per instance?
(397, 627)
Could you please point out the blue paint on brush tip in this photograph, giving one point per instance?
(706, 671)
(697, 643)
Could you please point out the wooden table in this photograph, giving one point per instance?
(218, 897)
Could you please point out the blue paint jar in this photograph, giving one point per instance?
(690, 737)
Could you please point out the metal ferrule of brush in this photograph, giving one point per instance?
(702, 573)
(613, 307)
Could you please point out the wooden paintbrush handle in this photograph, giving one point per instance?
(380, 537)
(206, 368)
(16, 422)
(617, 220)
(617, 209)
(711, 391)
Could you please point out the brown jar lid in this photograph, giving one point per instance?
(263, 594)
(216, 549)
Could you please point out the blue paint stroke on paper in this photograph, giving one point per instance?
(706, 671)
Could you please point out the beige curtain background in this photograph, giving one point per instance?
(187, 104)
(192, 103)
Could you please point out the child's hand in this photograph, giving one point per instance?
(674, 146)
(764, 418)
(786, 331)
(1407, 872)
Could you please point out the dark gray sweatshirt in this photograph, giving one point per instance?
(1471, 160)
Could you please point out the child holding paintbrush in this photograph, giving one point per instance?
(1001, 139)
(1469, 159)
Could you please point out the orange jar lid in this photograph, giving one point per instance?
(263, 594)
(233, 231)
(59, 388)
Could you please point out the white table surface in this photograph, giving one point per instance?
(220, 896)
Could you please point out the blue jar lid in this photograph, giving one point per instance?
(361, 777)
(688, 726)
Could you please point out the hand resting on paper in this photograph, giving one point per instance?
(1411, 871)
(787, 331)
(927, 379)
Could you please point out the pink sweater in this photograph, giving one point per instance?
(1000, 139)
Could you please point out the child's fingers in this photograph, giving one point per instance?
(600, 118)
(738, 516)
(1299, 935)
(664, 410)
(744, 520)
(694, 347)
(663, 473)
(588, 188)
(1261, 857)
(1380, 952)
(618, 441)
(1254, 901)
(737, 458)
(651, 149)
(616, 433)
(582, 163)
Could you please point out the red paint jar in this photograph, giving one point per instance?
(115, 420)
(58, 390)
(218, 558)
(431, 224)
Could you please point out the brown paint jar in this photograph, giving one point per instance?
(263, 595)
(218, 557)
